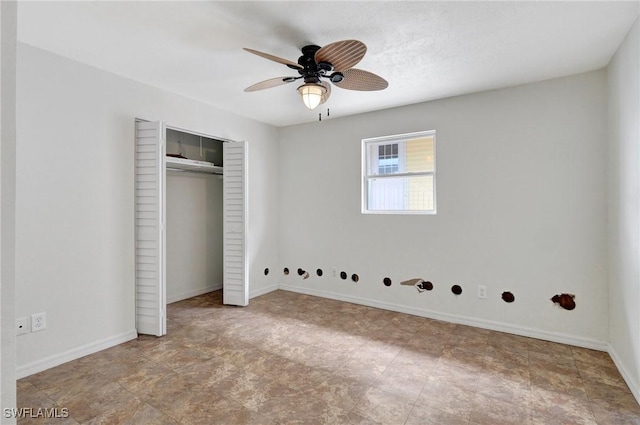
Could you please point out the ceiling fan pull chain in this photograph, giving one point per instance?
(328, 112)
(320, 116)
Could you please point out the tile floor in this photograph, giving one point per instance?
(296, 359)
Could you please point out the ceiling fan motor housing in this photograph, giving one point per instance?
(308, 61)
(312, 71)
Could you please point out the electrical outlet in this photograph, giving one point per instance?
(22, 326)
(38, 322)
(482, 291)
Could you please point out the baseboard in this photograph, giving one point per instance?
(459, 319)
(73, 354)
(263, 291)
(633, 386)
(189, 294)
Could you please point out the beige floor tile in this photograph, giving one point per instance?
(415, 362)
(597, 391)
(459, 377)
(383, 407)
(601, 374)
(205, 375)
(486, 411)
(143, 380)
(440, 395)
(149, 415)
(552, 362)
(341, 392)
(504, 355)
(568, 382)
(507, 370)
(29, 396)
(167, 392)
(461, 358)
(401, 382)
(474, 343)
(546, 347)
(250, 390)
(464, 330)
(561, 406)
(427, 344)
(585, 355)
(368, 362)
(504, 389)
(423, 415)
(506, 342)
(109, 404)
(352, 418)
(624, 411)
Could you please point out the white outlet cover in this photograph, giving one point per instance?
(482, 291)
(38, 322)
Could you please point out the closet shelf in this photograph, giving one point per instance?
(181, 164)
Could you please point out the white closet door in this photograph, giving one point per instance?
(235, 288)
(150, 176)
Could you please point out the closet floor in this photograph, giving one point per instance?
(289, 358)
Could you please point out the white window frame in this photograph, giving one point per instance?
(398, 138)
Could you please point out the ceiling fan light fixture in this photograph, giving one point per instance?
(311, 94)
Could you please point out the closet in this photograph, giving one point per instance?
(194, 215)
(190, 220)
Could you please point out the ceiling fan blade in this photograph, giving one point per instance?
(272, 82)
(326, 95)
(342, 55)
(274, 58)
(358, 79)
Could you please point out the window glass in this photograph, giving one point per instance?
(399, 176)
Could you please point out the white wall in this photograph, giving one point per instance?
(75, 191)
(194, 234)
(8, 23)
(521, 186)
(624, 207)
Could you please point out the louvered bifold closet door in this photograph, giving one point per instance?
(235, 288)
(149, 235)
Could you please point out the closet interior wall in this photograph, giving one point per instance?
(194, 227)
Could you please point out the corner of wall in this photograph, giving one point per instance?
(8, 39)
(626, 375)
(623, 102)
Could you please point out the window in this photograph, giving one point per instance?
(399, 174)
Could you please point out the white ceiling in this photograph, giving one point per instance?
(426, 50)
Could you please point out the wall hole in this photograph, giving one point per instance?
(266, 271)
(319, 272)
(508, 297)
(343, 275)
(566, 301)
(427, 285)
(386, 281)
(456, 289)
(286, 270)
(355, 277)
(300, 272)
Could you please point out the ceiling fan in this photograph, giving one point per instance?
(320, 65)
